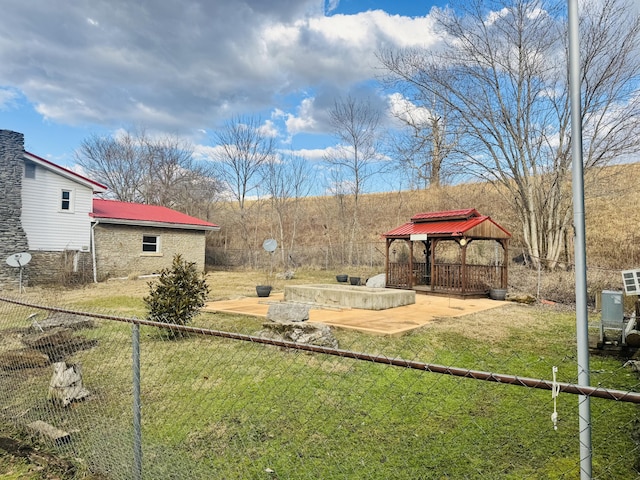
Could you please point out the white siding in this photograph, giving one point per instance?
(46, 225)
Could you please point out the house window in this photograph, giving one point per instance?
(29, 169)
(150, 244)
(66, 200)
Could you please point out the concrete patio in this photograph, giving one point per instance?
(392, 321)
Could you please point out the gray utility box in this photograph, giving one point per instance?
(612, 313)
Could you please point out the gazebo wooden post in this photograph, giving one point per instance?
(505, 260)
(427, 259)
(432, 258)
(386, 261)
(410, 264)
(463, 269)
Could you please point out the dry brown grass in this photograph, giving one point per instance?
(125, 294)
(611, 218)
(613, 243)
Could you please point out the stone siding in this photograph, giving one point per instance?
(65, 268)
(13, 238)
(119, 249)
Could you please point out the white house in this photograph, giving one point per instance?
(51, 213)
(56, 206)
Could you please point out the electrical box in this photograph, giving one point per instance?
(612, 309)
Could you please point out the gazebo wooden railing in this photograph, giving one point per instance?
(452, 278)
(423, 268)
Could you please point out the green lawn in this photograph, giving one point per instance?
(219, 408)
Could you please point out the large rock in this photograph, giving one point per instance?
(58, 343)
(60, 319)
(66, 384)
(288, 312)
(378, 281)
(307, 332)
(23, 358)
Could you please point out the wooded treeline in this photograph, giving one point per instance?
(613, 240)
(489, 105)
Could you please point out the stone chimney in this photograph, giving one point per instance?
(13, 238)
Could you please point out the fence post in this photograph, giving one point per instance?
(137, 433)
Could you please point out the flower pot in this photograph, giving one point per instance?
(498, 293)
(354, 280)
(263, 290)
(342, 278)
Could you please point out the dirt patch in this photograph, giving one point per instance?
(43, 464)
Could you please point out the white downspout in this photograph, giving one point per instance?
(93, 251)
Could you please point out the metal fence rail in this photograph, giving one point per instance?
(194, 402)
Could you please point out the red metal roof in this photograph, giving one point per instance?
(112, 211)
(445, 227)
(451, 223)
(447, 214)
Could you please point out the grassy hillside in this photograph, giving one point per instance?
(321, 231)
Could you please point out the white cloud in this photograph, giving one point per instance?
(331, 5)
(206, 152)
(316, 154)
(496, 15)
(304, 121)
(402, 108)
(268, 129)
(8, 98)
(185, 65)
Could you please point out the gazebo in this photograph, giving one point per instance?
(436, 254)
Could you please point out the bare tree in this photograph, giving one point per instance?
(287, 182)
(116, 162)
(503, 75)
(426, 147)
(242, 151)
(153, 170)
(174, 178)
(356, 159)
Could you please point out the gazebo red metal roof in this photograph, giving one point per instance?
(112, 211)
(463, 214)
(425, 270)
(450, 223)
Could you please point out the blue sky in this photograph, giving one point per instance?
(72, 69)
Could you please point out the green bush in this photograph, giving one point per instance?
(178, 295)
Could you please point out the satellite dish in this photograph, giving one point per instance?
(270, 245)
(18, 259)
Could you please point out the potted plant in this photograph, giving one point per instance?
(264, 290)
(498, 293)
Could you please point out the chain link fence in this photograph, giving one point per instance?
(369, 259)
(468, 398)
(326, 256)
